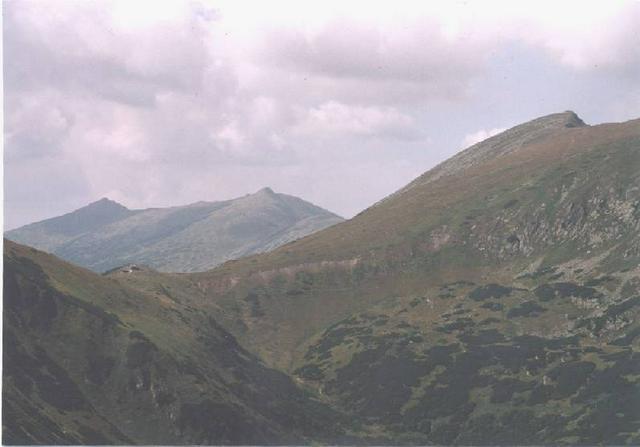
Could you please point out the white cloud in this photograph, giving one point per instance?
(586, 35)
(333, 119)
(481, 135)
(229, 137)
(37, 126)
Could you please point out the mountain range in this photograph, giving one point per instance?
(105, 235)
(494, 300)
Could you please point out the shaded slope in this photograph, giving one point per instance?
(199, 236)
(88, 361)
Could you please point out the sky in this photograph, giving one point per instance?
(159, 103)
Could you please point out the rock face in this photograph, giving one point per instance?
(104, 234)
(495, 300)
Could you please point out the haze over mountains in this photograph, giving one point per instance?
(494, 300)
(199, 236)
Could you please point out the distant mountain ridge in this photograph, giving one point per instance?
(198, 236)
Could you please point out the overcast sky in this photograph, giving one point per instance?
(341, 103)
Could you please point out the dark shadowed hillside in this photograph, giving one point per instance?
(89, 361)
(104, 234)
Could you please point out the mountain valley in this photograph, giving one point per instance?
(494, 300)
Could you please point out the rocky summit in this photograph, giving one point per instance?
(494, 300)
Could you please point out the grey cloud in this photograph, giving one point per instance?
(310, 89)
(338, 120)
(36, 125)
(595, 37)
(131, 69)
(348, 49)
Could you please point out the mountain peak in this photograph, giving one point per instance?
(104, 203)
(55, 231)
(573, 120)
(568, 118)
(266, 191)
